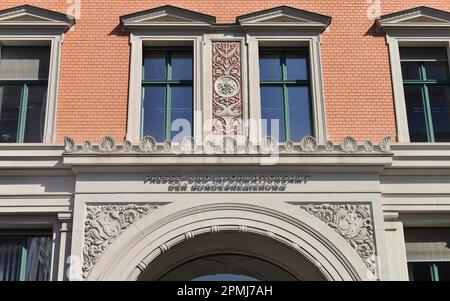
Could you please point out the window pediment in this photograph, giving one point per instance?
(284, 16)
(167, 16)
(419, 17)
(32, 16)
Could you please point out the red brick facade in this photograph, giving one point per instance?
(93, 91)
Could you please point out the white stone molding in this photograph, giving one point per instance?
(282, 37)
(284, 16)
(308, 144)
(167, 16)
(32, 16)
(154, 235)
(226, 145)
(354, 223)
(416, 27)
(103, 224)
(164, 26)
(416, 18)
(29, 26)
(149, 36)
(107, 144)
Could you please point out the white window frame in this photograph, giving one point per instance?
(55, 42)
(28, 25)
(312, 42)
(398, 39)
(135, 89)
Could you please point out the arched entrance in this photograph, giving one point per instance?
(231, 256)
(307, 248)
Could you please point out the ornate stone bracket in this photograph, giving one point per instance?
(103, 224)
(229, 145)
(353, 223)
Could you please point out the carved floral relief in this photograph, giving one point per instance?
(227, 106)
(103, 224)
(353, 223)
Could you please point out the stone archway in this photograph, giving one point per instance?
(323, 252)
(239, 253)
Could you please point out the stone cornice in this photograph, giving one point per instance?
(34, 17)
(284, 16)
(166, 16)
(416, 18)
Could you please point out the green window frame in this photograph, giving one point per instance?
(23, 107)
(285, 83)
(168, 82)
(425, 83)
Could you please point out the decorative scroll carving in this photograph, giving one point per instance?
(353, 223)
(103, 224)
(227, 108)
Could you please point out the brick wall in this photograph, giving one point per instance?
(93, 90)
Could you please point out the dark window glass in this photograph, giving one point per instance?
(436, 70)
(285, 95)
(269, 66)
(272, 113)
(25, 257)
(34, 127)
(415, 112)
(181, 113)
(10, 97)
(182, 65)
(153, 112)
(23, 93)
(419, 271)
(411, 70)
(299, 113)
(444, 271)
(440, 112)
(429, 271)
(167, 94)
(426, 85)
(154, 65)
(297, 65)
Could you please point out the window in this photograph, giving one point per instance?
(426, 84)
(23, 93)
(428, 253)
(285, 93)
(25, 256)
(167, 93)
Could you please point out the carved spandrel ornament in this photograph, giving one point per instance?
(227, 106)
(353, 223)
(103, 224)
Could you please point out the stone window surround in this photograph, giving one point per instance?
(395, 40)
(201, 43)
(42, 39)
(312, 42)
(138, 41)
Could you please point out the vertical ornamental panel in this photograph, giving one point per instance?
(227, 105)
